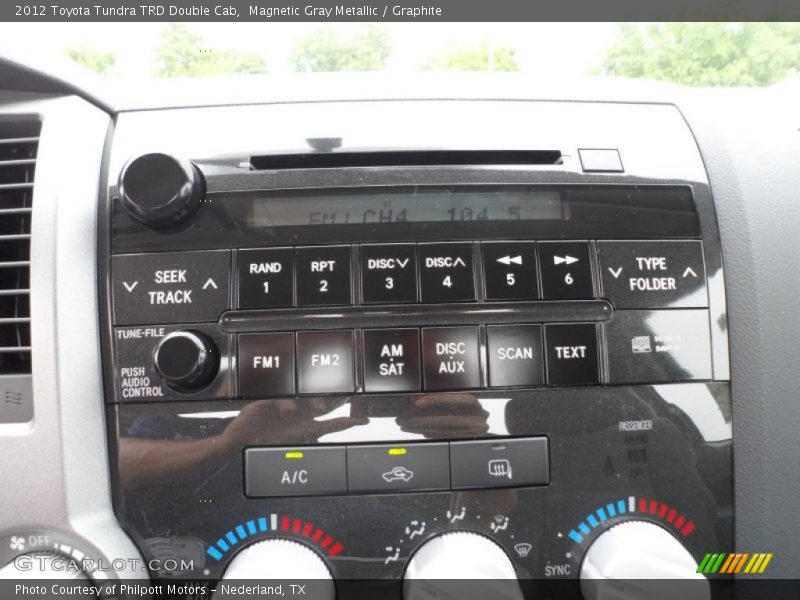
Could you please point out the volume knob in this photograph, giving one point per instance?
(186, 360)
(160, 190)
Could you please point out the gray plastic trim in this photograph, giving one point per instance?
(55, 468)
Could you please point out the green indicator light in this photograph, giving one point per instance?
(294, 455)
(397, 451)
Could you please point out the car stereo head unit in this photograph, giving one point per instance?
(365, 352)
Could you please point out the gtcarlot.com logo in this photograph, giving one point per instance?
(51, 562)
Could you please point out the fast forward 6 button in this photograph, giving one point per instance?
(566, 271)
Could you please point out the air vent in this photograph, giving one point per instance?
(19, 141)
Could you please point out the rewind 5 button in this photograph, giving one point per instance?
(510, 271)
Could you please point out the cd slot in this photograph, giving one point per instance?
(355, 317)
(405, 158)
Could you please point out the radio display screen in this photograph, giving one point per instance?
(416, 205)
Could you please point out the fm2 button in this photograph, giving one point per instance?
(566, 271)
(510, 271)
(451, 358)
(325, 362)
(304, 471)
(391, 360)
(446, 273)
(571, 352)
(653, 274)
(323, 276)
(170, 287)
(266, 278)
(389, 274)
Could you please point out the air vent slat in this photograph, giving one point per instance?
(19, 144)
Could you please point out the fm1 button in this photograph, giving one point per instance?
(170, 287)
(510, 271)
(566, 270)
(571, 352)
(659, 346)
(653, 274)
(266, 278)
(412, 467)
(451, 358)
(295, 471)
(501, 463)
(515, 355)
(323, 276)
(389, 273)
(391, 360)
(266, 365)
(325, 362)
(446, 273)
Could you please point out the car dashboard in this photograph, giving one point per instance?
(377, 338)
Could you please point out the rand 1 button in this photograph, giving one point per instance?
(499, 463)
(170, 287)
(515, 355)
(410, 467)
(389, 273)
(266, 365)
(303, 471)
(325, 362)
(391, 360)
(451, 358)
(266, 278)
(509, 270)
(446, 273)
(566, 270)
(653, 274)
(660, 346)
(571, 354)
(323, 276)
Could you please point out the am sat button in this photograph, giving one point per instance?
(657, 274)
(391, 360)
(295, 471)
(445, 272)
(410, 467)
(658, 346)
(499, 463)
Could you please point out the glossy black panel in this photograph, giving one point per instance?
(647, 452)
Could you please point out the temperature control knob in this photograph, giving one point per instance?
(160, 190)
(633, 560)
(283, 560)
(186, 360)
(442, 564)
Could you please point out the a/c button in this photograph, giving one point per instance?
(295, 471)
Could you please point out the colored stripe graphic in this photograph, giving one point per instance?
(728, 563)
